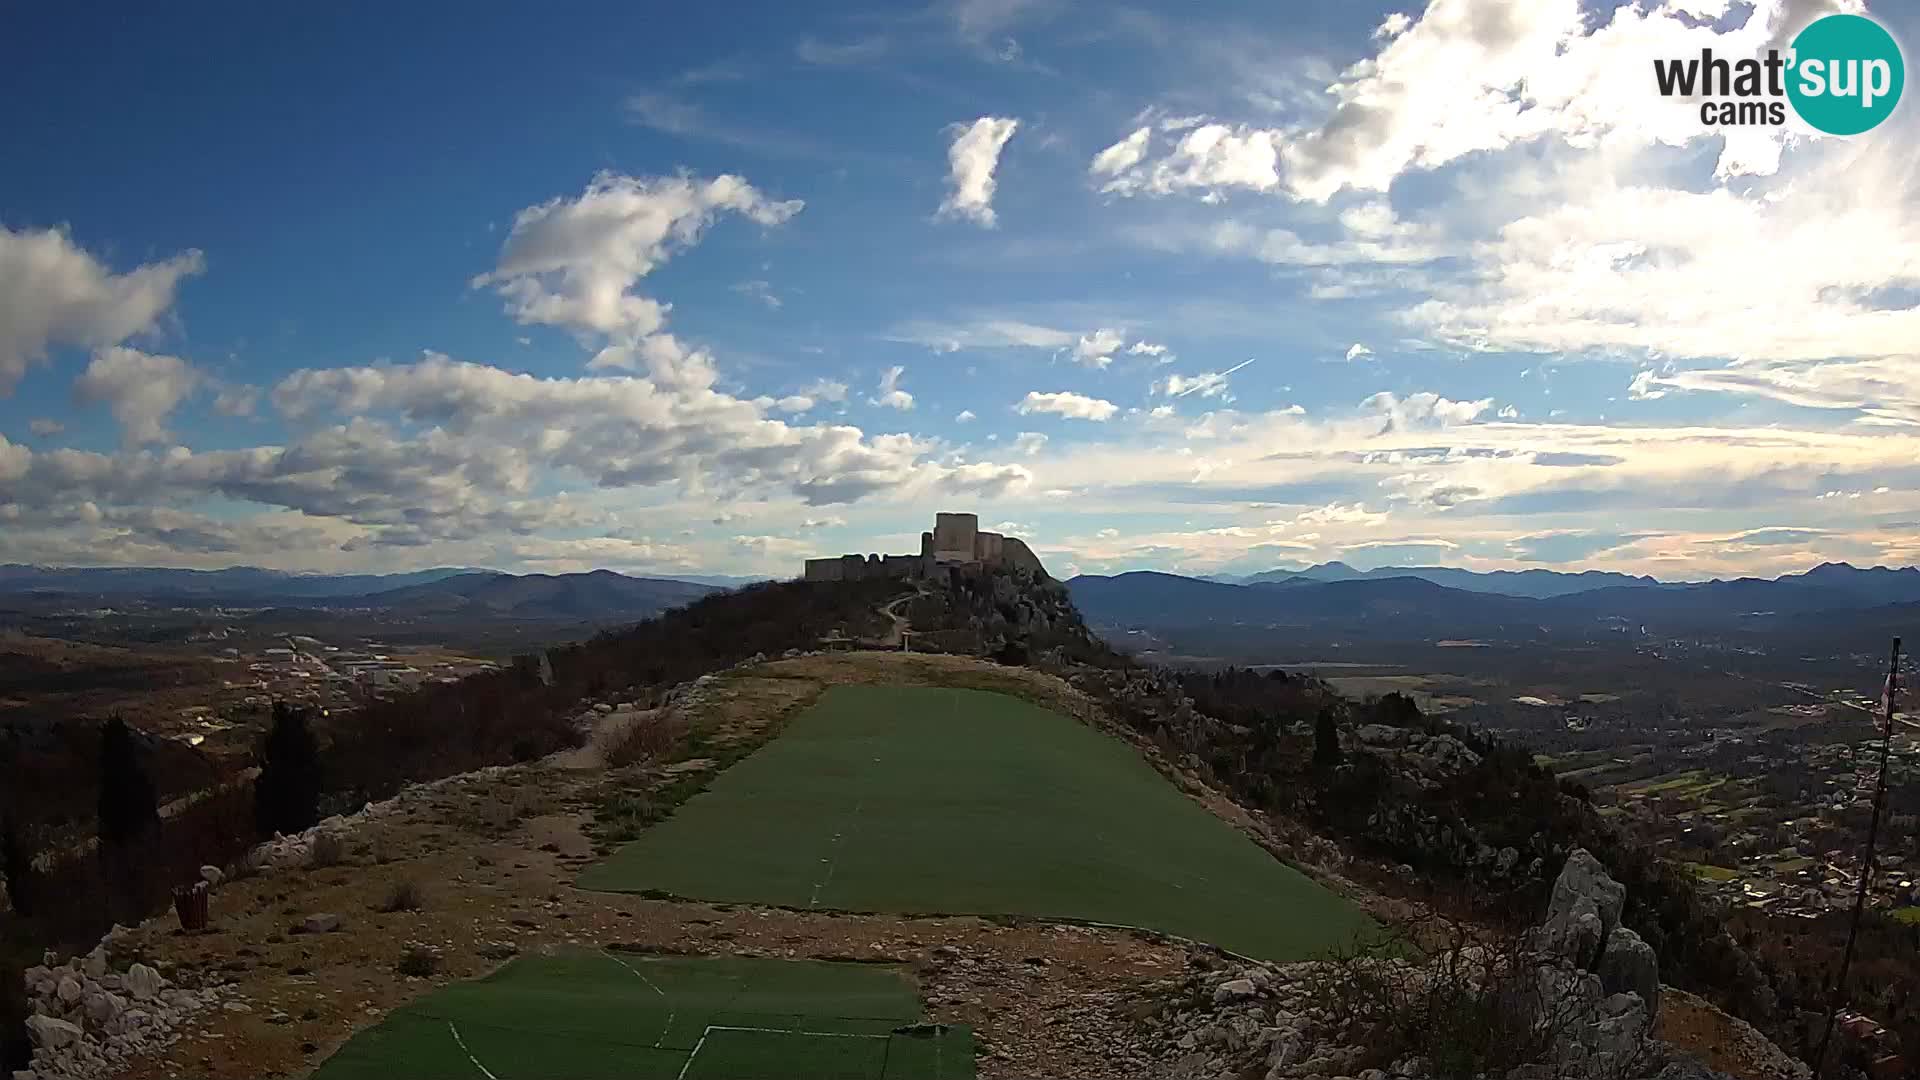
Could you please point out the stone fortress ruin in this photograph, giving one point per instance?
(956, 542)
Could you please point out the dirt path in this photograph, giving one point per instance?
(897, 632)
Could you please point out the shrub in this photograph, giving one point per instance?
(648, 738)
(404, 896)
(328, 849)
(418, 961)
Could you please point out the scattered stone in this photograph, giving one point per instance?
(52, 1033)
(320, 924)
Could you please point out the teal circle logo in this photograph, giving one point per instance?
(1846, 74)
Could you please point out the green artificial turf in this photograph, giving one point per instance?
(581, 1014)
(919, 800)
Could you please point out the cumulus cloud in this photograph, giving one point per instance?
(573, 262)
(972, 159)
(889, 394)
(140, 389)
(54, 293)
(964, 416)
(1067, 404)
(1468, 77)
(1096, 350)
(1357, 351)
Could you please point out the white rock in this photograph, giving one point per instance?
(68, 990)
(51, 1033)
(211, 875)
(143, 982)
(95, 964)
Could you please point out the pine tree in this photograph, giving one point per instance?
(1326, 740)
(129, 809)
(286, 797)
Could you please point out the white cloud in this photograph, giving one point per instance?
(1642, 389)
(140, 389)
(964, 416)
(1148, 348)
(1096, 350)
(1029, 443)
(573, 262)
(54, 293)
(44, 426)
(1067, 404)
(238, 399)
(972, 159)
(890, 395)
(1508, 412)
(825, 390)
(794, 403)
(1422, 410)
(1122, 155)
(1356, 351)
(1472, 76)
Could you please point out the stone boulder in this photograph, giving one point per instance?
(1627, 965)
(1381, 735)
(143, 982)
(51, 1033)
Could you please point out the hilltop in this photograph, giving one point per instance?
(1415, 811)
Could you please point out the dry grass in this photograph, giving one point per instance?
(648, 738)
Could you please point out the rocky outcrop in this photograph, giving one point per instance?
(1583, 986)
(1584, 909)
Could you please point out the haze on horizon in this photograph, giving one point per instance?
(1210, 292)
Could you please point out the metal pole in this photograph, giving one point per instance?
(1866, 862)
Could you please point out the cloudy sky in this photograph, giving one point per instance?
(1200, 286)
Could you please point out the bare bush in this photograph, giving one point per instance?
(1469, 1002)
(329, 849)
(406, 895)
(417, 961)
(648, 738)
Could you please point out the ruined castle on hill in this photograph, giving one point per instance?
(956, 542)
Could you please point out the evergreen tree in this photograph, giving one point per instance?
(1326, 740)
(286, 797)
(129, 809)
(17, 861)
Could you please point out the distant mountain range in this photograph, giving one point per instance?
(1409, 602)
(601, 594)
(1534, 583)
(447, 590)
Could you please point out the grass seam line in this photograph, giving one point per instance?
(833, 862)
(484, 1071)
(711, 1028)
(671, 1011)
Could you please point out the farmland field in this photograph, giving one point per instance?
(943, 801)
(584, 1014)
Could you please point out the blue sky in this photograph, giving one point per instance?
(1215, 287)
